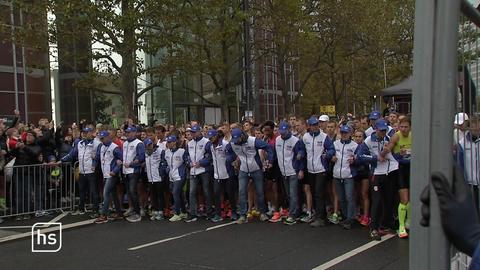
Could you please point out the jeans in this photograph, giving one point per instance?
(157, 190)
(131, 181)
(109, 193)
(345, 189)
(88, 183)
(204, 178)
(319, 181)
(291, 188)
(229, 186)
(177, 190)
(257, 177)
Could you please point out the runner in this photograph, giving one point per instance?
(245, 148)
(362, 180)
(343, 174)
(385, 171)
(174, 162)
(109, 155)
(133, 157)
(223, 174)
(153, 158)
(401, 145)
(200, 172)
(290, 155)
(85, 152)
(319, 149)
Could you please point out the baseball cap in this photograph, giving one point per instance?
(460, 118)
(87, 129)
(312, 121)
(196, 128)
(374, 115)
(381, 125)
(131, 129)
(345, 129)
(324, 118)
(103, 134)
(211, 133)
(283, 128)
(172, 138)
(236, 134)
(148, 141)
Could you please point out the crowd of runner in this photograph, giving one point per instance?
(317, 170)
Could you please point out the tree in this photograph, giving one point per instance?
(120, 29)
(212, 45)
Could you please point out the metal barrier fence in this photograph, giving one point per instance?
(37, 189)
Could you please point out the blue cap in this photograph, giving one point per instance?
(196, 128)
(211, 133)
(236, 134)
(381, 124)
(148, 141)
(103, 134)
(374, 115)
(283, 128)
(345, 129)
(131, 129)
(312, 121)
(87, 129)
(172, 138)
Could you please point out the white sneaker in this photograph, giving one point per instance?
(129, 212)
(175, 218)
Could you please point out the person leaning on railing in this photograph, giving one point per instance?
(25, 153)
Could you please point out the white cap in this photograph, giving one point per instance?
(460, 118)
(324, 118)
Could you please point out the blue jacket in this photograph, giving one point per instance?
(248, 154)
(297, 155)
(117, 155)
(182, 168)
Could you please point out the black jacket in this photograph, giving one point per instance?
(28, 155)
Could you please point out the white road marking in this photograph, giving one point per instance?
(29, 234)
(181, 236)
(57, 218)
(352, 253)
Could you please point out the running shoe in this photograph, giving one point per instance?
(289, 221)
(264, 217)
(234, 216)
(175, 218)
(374, 235)
(284, 213)
(216, 219)
(115, 216)
(183, 215)
(242, 220)
(307, 218)
(94, 215)
(334, 218)
(129, 212)
(365, 221)
(276, 217)
(191, 219)
(346, 224)
(134, 218)
(318, 223)
(101, 219)
(152, 217)
(255, 213)
(402, 233)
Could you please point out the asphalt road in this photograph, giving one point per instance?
(254, 245)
